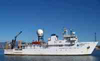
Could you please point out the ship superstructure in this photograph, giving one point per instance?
(70, 45)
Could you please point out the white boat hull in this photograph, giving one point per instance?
(86, 49)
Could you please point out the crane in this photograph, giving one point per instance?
(14, 40)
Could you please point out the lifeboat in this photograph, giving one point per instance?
(36, 42)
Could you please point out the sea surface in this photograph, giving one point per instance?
(94, 57)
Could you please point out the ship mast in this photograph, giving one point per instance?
(95, 37)
(65, 31)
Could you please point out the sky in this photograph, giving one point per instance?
(83, 16)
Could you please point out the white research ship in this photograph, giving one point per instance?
(70, 45)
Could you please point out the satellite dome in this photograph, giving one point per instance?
(40, 32)
(73, 33)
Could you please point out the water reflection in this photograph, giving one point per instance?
(51, 58)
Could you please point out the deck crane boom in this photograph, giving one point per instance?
(14, 40)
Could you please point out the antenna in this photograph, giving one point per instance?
(95, 37)
(71, 30)
(65, 31)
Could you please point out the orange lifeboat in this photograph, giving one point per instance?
(36, 42)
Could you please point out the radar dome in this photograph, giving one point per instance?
(73, 33)
(40, 32)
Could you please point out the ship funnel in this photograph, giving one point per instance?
(40, 34)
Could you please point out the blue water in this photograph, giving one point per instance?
(94, 57)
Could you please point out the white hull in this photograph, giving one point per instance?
(85, 49)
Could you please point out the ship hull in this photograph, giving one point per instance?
(87, 49)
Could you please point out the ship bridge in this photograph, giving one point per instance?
(68, 39)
